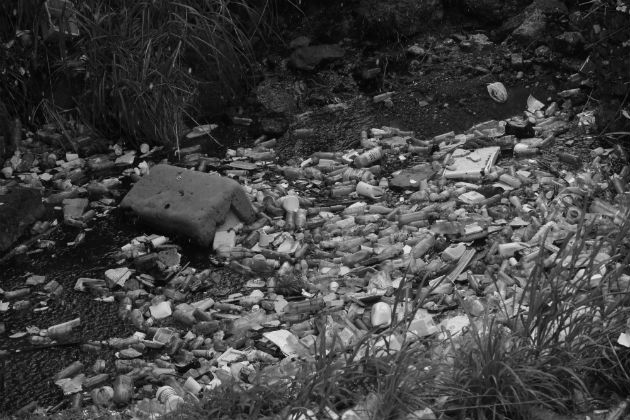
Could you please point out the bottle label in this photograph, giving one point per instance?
(373, 155)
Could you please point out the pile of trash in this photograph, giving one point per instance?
(340, 247)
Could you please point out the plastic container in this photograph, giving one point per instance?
(381, 315)
(192, 386)
(290, 203)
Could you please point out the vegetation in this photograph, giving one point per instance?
(605, 25)
(137, 69)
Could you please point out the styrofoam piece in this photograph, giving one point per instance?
(472, 164)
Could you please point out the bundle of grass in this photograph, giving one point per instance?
(145, 61)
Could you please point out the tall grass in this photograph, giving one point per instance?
(146, 61)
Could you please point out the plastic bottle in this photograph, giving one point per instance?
(420, 150)
(207, 328)
(367, 190)
(512, 181)
(247, 322)
(184, 317)
(342, 190)
(353, 259)
(407, 218)
(359, 174)
(300, 219)
(447, 228)
(259, 264)
(123, 390)
(423, 246)
(289, 220)
(65, 328)
(125, 307)
(167, 396)
(313, 173)
(102, 396)
(292, 173)
(369, 157)
(136, 318)
(71, 370)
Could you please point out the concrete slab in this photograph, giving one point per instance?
(188, 203)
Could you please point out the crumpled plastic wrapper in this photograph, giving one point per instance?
(498, 92)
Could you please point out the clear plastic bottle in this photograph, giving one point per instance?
(355, 258)
(247, 322)
(123, 390)
(370, 191)
(359, 174)
(341, 191)
(167, 396)
(423, 246)
(369, 157)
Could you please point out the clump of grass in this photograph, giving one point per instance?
(560, 342)
(146, 60)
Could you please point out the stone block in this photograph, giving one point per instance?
(19, 209)
(187, 203)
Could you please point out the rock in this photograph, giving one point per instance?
(274, 127)
(569, 42)
(424, 414)
(307, 58)
(532, 28)
(73, 208)
(277, 96)
(5, 131)
(417, 50)
(516, 60)
(300, 41)
(26, 163)
(390, 19)
(543, 52)
(550, 7)
(187, 202)
(546, 7)
(19, 209)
